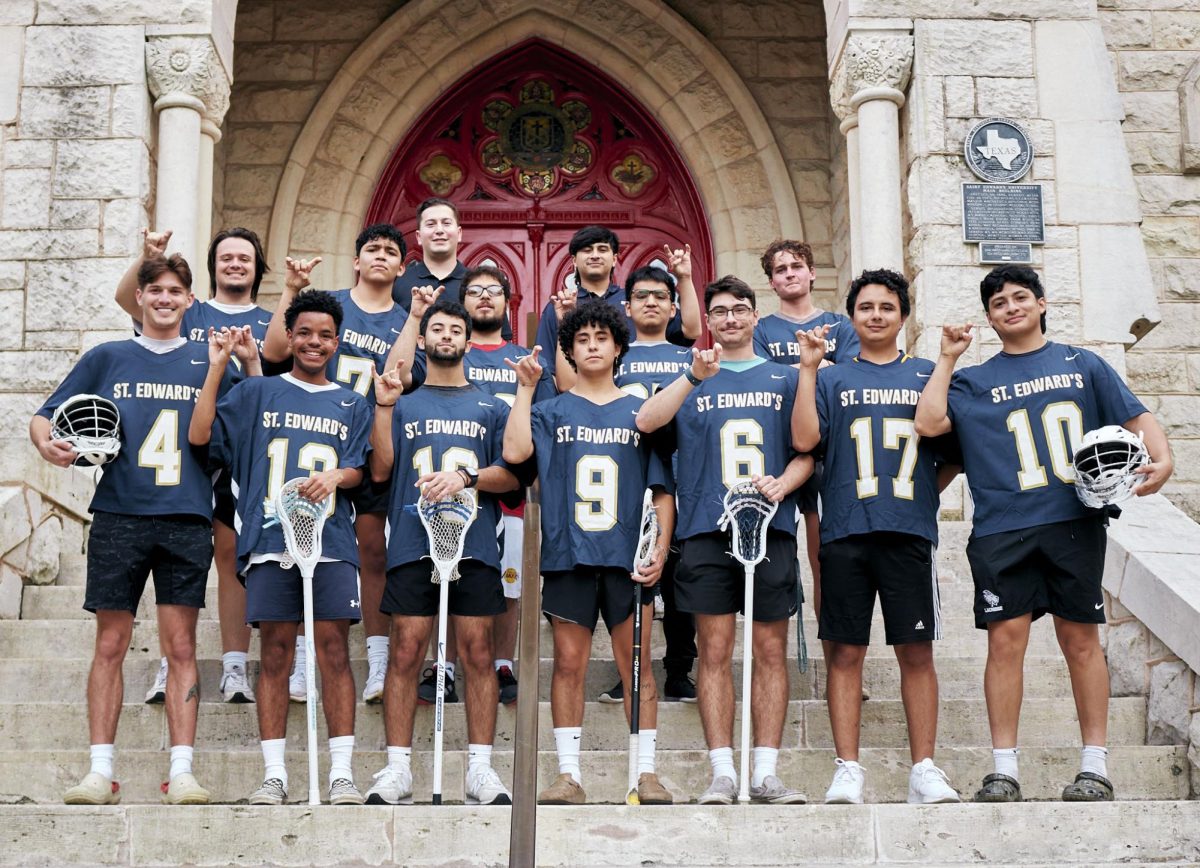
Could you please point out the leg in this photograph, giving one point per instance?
(410, 635)
(277, 644)
(177, 632)
(919, 691)
(475, 637)
(770, 682)
(331, 641)
(506, 630)
(1003, 684)
(106, 685)
(572, 645)
(1080, 644)
(844, 690)
(679, 629)
(231, 594)
(715, 682)
(372, 570)
(622, 645)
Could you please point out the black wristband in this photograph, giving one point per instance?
(692, 378)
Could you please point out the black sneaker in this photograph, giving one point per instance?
(679, 688)
(508, 685)
(615, 695)
(427, 689)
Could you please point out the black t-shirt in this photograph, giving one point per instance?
(418, 274)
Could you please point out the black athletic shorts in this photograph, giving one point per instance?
(276, 594)
(124, 549)
(1055, 568)
(809, 492)
(410, 590)
(586, 593)
(710, 581)
(224, 502)
(897, 566)
(370, 496)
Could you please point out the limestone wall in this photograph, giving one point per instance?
(1155, 50)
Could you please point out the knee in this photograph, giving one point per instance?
(372, 552)
(843, 656)
(180, 648)
(111, 646)
(405, 653)
(917, 656)
(476, 652)
(333, 654)
(1080, 646)
(275, 657)
(570, 665)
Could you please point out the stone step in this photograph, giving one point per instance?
(590, 836)
(74, 639)
(962, 723)
(958, 678)
(1138, 772)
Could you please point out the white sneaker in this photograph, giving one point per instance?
(373, 690)
(235, 686)
(484, 787)
(298, 686)
(157, 694)
(391, 787)
(847, 786)
(928, 785)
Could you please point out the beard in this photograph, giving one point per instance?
(439, 356)
(487, 324)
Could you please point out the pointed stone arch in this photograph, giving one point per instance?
(401, 69)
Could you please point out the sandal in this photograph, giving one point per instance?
(999, 788)
(1088, 787)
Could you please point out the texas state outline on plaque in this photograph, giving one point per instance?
(1001, 149)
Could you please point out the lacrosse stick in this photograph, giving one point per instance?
(647, 539)
(446, 523)
(747, 514)
(302, 521)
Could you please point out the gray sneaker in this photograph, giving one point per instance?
(722, 791)
(773, 792)
(271, 792)
(343, 792)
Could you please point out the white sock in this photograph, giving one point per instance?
(450, 670)
(647, 742)
(478, 755)
(1005, 759)
(273, 750)
(765, 759)
(502, 662)
(341, 752)
(377, 652)
(233, 658)
(102, 760)
(721, 759)
(181, 759)
(567, 739)
(399, 758)
(301, 656)
(1094, 759)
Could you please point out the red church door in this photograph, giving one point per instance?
(531, 146)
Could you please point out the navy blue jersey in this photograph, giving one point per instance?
(734, 425)
(1019, 419)
(650, 365)
(272, 429)
(364, 344)
(156, 472)
(484, 366)
(202, 315)
(595, 466)
(775, 337)
(879, 476)
(435, 429)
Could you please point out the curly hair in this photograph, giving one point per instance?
(313, 301)
(599, 314)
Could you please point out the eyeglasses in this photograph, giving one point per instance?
(475, 291)
(658, 294)
(739, 311)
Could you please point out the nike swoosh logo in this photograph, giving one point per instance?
(924, 376)
(347, 403)
(267, 323)
(198, 362)
(778, 377)
(1071, 358)
(1099, 606)
(484, 404)
(395, 332)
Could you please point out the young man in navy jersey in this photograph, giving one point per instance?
(236, 265)
(269, 430)
(443, 438)
(152, 511)
(371, 322)
(650, 302)
(732, 412)
(594, 250)
(1034, 547)
(788, 266)
(594, 467)
(878, 526)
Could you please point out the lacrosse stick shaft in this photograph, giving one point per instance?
(635, 695)
(440, 708)
(310, 678)
(747, 667)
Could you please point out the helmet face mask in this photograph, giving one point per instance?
(1105, 465)
(92, 425)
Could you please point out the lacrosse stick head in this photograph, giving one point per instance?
(648, 533)
(91, 424)
(446, 523)
(1105, 465)
(747, 513)
(302, 521)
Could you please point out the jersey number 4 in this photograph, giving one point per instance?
(161, 451)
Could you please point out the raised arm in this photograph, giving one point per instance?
(680, 262)
(220, 348)
(153, 244)
(806, 423)
(661, 408)
(404, 350)
(275, 346)
(388, 390)
(518, 432)
(932, 416)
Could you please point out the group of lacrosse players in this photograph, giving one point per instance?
(379, 474)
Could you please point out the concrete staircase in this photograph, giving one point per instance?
(43, 750)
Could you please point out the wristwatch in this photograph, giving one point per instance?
(470, 475)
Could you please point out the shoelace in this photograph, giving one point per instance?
(935, 772)
(387, 775)
(847, 772)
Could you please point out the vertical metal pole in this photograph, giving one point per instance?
(522, 836)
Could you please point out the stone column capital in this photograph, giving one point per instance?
(876, 66)
(183, 69)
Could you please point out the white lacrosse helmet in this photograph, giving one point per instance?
(92, 425)
(1105, 463)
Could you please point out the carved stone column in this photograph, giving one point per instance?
(876, 71)
(840, 98)
(191, 89)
